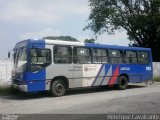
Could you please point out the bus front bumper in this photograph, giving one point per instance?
(20, 87)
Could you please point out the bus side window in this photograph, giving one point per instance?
(40, 58)
(62, 54)
(116, 56)
(100, 56)
(143, 57)
(81, 55)
(130, 57)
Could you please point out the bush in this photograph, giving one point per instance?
(8, 90)
(156, 79)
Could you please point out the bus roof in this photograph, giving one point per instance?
(92, 45)
(61, 42)
(116, 47)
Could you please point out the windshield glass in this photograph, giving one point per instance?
(20, 59)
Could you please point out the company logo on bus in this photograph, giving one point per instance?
(148, 68)
(89, 68)
(125, 68)
(86, 69)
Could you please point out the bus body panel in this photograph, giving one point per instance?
(83, 75)
(35, 80)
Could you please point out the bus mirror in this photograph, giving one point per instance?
(9, 54)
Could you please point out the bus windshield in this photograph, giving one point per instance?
(20, 59)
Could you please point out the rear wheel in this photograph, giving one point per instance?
(122, 83)
(58, 88)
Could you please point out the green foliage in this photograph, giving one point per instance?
(64, 38)
(156, 79)
(140, 18)
(89, 40)
(8, 90)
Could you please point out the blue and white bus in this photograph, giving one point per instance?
(54, 65)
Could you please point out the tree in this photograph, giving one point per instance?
(140, 18)
(65, 38)
(89, 40)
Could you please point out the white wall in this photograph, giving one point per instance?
(5, 71)
(156, 69)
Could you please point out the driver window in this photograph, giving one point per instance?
(40, 58)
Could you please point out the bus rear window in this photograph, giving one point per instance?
(143, 58)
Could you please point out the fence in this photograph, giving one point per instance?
(6, 68)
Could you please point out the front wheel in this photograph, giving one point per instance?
(122, 82)
(58, 88)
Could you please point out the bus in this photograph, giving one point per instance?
(55, 65)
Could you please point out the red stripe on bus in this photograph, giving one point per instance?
(114, 77)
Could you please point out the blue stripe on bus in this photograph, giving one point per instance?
(107, 67)
(98, 74)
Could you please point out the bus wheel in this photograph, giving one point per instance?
(58, 88)
(122, 83)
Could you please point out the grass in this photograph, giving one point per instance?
(156, 79)
(8, 90)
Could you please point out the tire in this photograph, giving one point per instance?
(122, 83)
(58, 88)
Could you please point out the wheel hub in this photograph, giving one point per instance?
(59, 88)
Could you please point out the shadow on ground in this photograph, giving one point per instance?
(77, 91)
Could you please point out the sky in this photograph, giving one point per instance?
(24, 19)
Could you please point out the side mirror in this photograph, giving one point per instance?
(9, 54)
